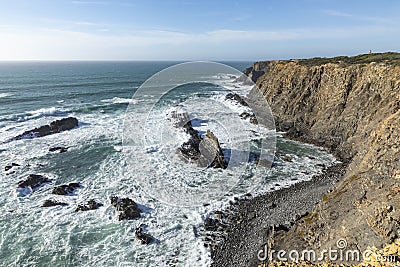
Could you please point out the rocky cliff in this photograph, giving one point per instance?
(350, 105)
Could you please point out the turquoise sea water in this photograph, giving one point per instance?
(98, 93)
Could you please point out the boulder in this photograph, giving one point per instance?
(65, 189)
(52, 203)
(33, 181)
(90, 205)
(54, 127)
(127, 207)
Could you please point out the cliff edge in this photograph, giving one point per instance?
(350, 105)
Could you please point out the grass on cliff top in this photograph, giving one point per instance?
(391, 58)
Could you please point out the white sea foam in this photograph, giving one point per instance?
(3, 95)
(119, 100)
(42, 112)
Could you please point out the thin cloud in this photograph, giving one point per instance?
(58, 43)
(85, 23)
(90, 2)
(336, 13)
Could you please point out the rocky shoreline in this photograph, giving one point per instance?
(241, 231)
(351, 106)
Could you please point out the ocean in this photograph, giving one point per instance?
(104, 97)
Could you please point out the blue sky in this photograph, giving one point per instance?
(195, 30)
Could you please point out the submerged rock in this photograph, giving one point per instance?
(127, 207)
(143, 237)
(65, 189)
(9, 167)
(54, 127)
(60, 149)
(52, 203)
(90, 205)
(33, 181)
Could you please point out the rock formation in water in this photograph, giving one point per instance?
(127, 207)
(350, 105)
(144, 238)
(33, 181)
(52, 128)
(65, 189)
(237, 98)
(52, 203)
(205, 152)
(211, 152)
(90, 205)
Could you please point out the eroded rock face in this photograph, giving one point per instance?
(211, 152)
(90, 205)
(354, 111)
(54, 127)
(127, 207)
(253, 73)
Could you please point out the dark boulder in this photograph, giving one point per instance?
(54, 127)
(237, 98)
(90, 205)
(127, 207)
(144, 238)
(33, 181)
(52, 203)
(60, 149)
(65, 189)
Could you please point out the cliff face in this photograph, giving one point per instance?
(353, 110)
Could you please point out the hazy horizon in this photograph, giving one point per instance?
(192, 30)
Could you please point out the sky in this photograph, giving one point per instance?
(195, 29)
